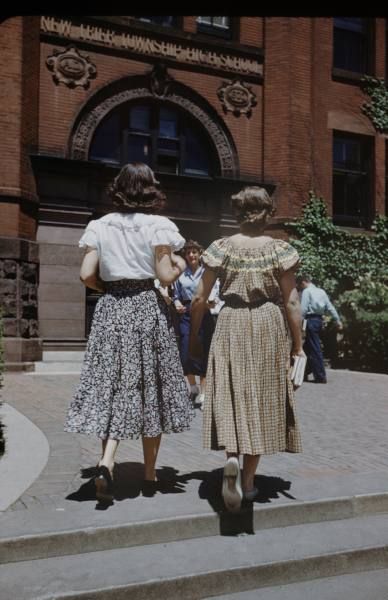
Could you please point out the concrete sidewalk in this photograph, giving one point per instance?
(344, 431)
(321, 516)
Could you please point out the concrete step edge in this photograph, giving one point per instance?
(238, 579)
(139, 533)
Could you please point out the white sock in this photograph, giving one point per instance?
(194, 388)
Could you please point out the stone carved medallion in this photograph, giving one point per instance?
(237, 97)
(70, 68)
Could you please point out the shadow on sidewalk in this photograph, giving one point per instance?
(241, 522)
(128, 483)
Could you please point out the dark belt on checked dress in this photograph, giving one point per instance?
(236, 302)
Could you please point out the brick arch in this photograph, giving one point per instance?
(95, 112)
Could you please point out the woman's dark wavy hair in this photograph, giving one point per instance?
(134, 190)
(192, 244)
(252, 207)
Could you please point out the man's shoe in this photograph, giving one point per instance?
(320, 381)
(231, 485)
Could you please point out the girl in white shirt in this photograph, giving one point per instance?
(132, 382)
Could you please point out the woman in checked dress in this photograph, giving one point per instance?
(249, 397)
(132, 383)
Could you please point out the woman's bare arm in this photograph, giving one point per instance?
(293, 310)
(89, 273)
(168, 266)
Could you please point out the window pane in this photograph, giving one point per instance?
(197, 160)
(139, 118)
(167, 145)
(168, 126)
(139, 148)
(351, 190)
(350, 44)
(207, 20)
(168, 164)
(351, 23)
(106, 140)
(347, 154)
(160, 20)
(349, 51)
(222, 22)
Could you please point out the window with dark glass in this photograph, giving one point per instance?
(161, 20)
(352, 190)
(220, 26)
(352, 44)
(159, 135)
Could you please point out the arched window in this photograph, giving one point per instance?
(163, 137)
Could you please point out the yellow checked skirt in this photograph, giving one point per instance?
(249, 398)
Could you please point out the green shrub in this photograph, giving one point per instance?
(365, 314)
(353, 269)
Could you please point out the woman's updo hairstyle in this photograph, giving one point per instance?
(253, 207)
(134, 190)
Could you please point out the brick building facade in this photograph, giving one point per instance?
(211, 103)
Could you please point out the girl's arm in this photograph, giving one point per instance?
(168, 266)
(293, 310)
(89, 273)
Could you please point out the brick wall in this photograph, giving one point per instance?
(19, 82)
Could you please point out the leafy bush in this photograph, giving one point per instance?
(365, 314)
(353, 269)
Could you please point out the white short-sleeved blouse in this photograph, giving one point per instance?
(126, 243)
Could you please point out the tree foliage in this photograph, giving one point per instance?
(353, 269)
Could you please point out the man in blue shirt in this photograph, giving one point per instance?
(315, 303)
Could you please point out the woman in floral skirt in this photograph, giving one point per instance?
(132, 383)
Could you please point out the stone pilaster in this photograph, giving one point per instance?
(19, 276)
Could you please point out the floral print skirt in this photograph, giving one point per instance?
(132, 382)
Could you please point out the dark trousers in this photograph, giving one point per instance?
(313, 350)
(205, 334)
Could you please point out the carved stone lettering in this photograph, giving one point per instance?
(145, 45)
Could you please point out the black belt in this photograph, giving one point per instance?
(313, 315)
(236, 302)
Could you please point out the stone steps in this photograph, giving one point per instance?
(56, 361)
(366, 585)
(48, 534)
(186, 557)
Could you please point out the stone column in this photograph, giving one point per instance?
(19, 272)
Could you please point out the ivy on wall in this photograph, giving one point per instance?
(377, 108)
(353, 269)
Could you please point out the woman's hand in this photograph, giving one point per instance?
(180, 308)
(195, 348)
(297, 352)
